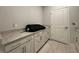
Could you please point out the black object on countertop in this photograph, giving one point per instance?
(34, 27)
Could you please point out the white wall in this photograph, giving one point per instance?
(21, 16)
(46, 13)
(74, 15)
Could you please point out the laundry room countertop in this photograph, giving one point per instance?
(10, 36)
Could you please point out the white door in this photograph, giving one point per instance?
(60, 25)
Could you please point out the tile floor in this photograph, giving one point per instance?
(56, 47)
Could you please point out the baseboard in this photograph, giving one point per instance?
(60, 41)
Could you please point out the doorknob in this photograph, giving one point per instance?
(66, 27)
(76, 39)
(73, 23)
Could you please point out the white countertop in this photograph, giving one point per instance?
(12, 36)
(9, 36)
(15, 37)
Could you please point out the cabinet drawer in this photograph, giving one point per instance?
(16, 44)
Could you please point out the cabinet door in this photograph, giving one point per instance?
(45, 36)
(77, 41)
(20, 49)
(27, 47)
(40, 39)
(38, 43)
(60, 25)
(30, 47)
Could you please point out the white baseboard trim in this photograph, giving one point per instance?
(60, 41)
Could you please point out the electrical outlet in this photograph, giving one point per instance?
(14, 25)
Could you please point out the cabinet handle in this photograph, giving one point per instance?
(41, 38)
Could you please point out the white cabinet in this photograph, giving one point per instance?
(30, 47)
(40, 39)
(24, 45)
(29, 44)
(20, 49)
(77, 41)
(27, 47)
(45, 36)
(74, 21)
